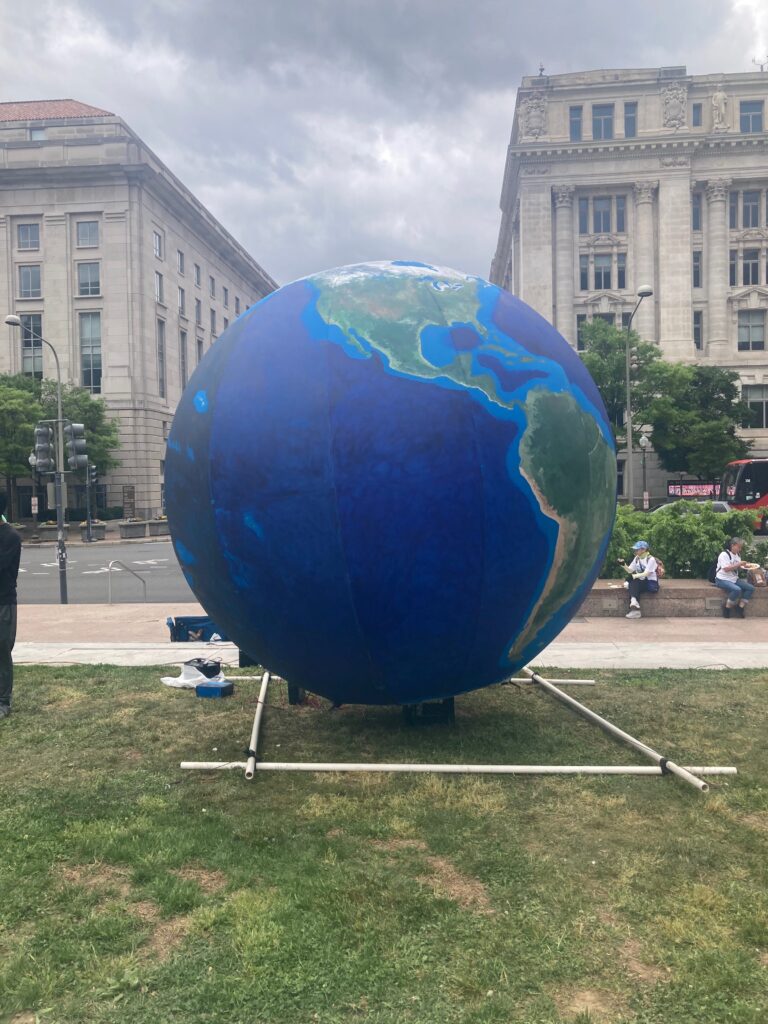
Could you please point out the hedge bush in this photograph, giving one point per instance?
(687, 537)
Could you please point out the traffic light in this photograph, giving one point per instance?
(93, 474)
(74, 438)
(44, 458)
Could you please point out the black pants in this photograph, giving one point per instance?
(7, 640)
(638, 587)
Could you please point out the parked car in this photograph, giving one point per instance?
(717, 506)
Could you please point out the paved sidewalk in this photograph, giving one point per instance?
(136, 634)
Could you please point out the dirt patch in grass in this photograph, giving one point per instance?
(636, 967)
(596, 1003)
(758, 820)
(97, 876)
(444, 879)
(27, 1017)
(166, 937)
(209, 880)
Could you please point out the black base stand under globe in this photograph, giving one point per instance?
(430, 711)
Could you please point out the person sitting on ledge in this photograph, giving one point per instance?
(727, 578)
(644, 579)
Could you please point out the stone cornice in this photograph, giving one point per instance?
(635, 149)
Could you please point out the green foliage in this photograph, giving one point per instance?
(80, 406)
(687, 536)
(19, 412)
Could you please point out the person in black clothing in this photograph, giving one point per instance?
(10, 554)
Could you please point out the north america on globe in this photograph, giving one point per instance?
(391, 482)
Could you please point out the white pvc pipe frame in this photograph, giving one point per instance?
(662, 766)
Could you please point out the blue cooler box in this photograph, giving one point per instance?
(213, 689)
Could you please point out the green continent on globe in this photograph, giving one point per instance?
(571, 469)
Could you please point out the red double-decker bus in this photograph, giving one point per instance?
(744, 484)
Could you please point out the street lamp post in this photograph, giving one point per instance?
(642, 293)
(644, 444)
(61, 549)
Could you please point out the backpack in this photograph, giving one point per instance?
(661, 572)
(712, 571)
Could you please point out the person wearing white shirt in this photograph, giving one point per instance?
(738, 592)
(643, 577)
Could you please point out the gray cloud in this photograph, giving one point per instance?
(323, 132)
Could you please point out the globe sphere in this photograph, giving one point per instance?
(390, 483)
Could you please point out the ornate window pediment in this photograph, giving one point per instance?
(750, 297)
(602, 241)
(750, 235)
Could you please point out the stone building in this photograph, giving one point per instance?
(617, 179)
(113, 261)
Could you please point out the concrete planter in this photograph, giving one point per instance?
(158, 528)
(51, 532)
(130, 531)
(98, 531)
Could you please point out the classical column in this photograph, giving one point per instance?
(716, 250)
(565, 321)
(645, 320)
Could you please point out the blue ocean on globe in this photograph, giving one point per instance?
(390, 483)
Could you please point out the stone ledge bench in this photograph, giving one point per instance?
(681, 598)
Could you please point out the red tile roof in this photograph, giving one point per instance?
(49, 110)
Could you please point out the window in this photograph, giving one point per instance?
(602, 121)
(602, 272)
(198, 312)
(733, 209)
(732, 267)
(574, 118)
(697, 269)
(157, 244)
(621, 270)
(751, 330)
(696, 211)
(620, 476)
(750, 210)
(751, 116)
(698, 330)
(182, 302)
(183, 358)
(29, 282)
(584, 273)
(161, 357)
(88, 279)
(213, 321)
(90, 351)
(199, 349)
(696, 115)
(601, 214)
(197, 274)
(621, 216)
(180, 261)
(608, 318)
(581, 319)
(226, 323)
(630, 120)
(32, 344)
(29, 236)
(212, 287)
(583, 216)
(237, 305)
(37, 134)
(625, 321)
(225, 297)
(159, 291)
(87, 234)
(750, 266)
(756, 397)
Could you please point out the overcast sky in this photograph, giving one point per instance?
(324, 132)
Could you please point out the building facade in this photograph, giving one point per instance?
(620, 179)
(106, 255)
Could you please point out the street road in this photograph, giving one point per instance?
(87, 574)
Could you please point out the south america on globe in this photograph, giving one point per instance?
(390, 483)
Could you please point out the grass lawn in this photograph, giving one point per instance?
(133, 892)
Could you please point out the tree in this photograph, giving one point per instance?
(693, 412)
(694, 417)
(19, 412)
(79, 406)
(604, 356)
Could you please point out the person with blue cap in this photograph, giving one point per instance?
(643, 572)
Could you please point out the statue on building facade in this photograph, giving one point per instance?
(719, 110)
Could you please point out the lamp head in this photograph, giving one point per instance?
(12, 320)
(644, 291)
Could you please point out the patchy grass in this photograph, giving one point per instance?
(133, 892)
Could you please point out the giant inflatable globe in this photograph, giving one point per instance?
(390, 483)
